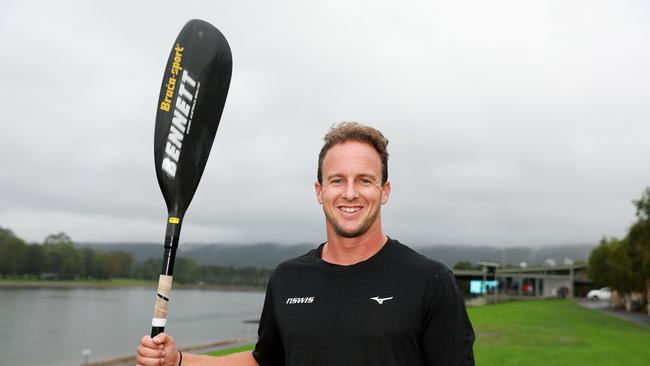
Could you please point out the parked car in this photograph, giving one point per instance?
(604, 293)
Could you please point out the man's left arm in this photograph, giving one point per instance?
(448, 334)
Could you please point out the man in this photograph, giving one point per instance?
(360, 298)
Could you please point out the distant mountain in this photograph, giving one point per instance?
(269, 255)
(450, 255)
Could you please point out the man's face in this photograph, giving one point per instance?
(351, 192)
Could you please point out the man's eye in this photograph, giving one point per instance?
(365, 181)
(336, 181)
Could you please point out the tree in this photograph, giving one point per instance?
(13, 253)
(624, 276)
(149, 269)
(61, 257)
(624, 264)
(599, 269)
(121, 264)
(185, 270)
(35, 259)
(643, 205)
(639, 237)
(101, 266)
(60, 238)
(87, 262)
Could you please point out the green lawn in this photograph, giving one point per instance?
(555, 332)
(227, 351)
(550, 332)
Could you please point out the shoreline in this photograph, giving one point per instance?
(203, 348)
(89, 284)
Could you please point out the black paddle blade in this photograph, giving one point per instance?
(193, 93)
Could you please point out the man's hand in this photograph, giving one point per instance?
(160, 350)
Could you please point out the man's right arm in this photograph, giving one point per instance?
(161, 350)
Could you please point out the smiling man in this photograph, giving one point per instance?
(352, 185)
(360, 298)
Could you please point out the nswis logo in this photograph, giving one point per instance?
(300, 300)
(188, 90)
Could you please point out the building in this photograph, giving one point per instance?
(567, 280)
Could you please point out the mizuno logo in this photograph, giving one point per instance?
(381, 300)
(300, 300)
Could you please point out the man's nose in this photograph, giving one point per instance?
(350, 191)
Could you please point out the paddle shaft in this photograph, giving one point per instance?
(165, 280)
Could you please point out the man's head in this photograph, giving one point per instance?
(353, 180)
(353, 131)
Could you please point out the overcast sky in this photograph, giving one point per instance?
(510, 122)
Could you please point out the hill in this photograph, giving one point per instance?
(269, 255)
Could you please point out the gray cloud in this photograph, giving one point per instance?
(510, 123)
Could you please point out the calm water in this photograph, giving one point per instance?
(53, 326)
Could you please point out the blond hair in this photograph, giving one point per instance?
(354, 131)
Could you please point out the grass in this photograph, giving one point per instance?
(227, 351)
(548, 332)
(555, 332)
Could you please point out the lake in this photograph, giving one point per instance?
(53, 326)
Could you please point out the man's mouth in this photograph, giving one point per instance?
(350, 209)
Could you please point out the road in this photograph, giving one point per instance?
(602, 305)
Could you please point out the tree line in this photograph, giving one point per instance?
(58, 258)
(624, 264)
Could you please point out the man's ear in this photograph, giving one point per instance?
(319, 192)
(385, 192)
